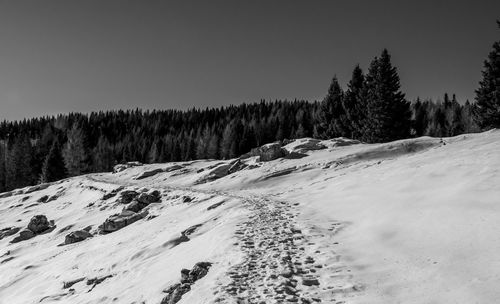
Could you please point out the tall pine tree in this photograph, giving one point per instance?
(75, 152)
(354, 104)
(53, 168)
(488, 94)
(332, 112)
(388, 115)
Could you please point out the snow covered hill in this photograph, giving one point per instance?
(336, 221)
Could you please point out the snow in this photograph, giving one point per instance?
(412, 221)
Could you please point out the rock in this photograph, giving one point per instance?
(187, 199)
(150, 173)
(149, 197)
(118, 221)
(309, 145)
(191, 230)
(76, 236)
(135, 206)
(267, 152)
(24, 235)
(215, 206)
(127, 196)
(199, 270)
(176, 294)
(188, 277)
(8, 231)
(68, 284)
(121, 167)
(185, 276)
(43, 199)
(236, 166)
(39, 224)
(37, 188)
(112, 193)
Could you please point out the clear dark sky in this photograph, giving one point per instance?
(62, 56)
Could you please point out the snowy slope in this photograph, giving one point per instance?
(413, 221)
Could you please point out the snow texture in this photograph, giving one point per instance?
(411, 221)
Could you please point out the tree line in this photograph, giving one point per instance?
(371, 109)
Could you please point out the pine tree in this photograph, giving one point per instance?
(75, 153)
(3, 155)
(488, 93)
(332, 111)
(18, 170)
(354, 104)
(103, 158)
(53, 168)
(213, 147)
(388, 115)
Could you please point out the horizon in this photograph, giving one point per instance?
(62, 57)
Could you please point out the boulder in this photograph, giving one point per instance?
(39, 224)
(24, 235)
(150, 173)
(76, 236)
(127, 196)
(199, 270)
(123, 219)
(176, 293)
(8, 231)
(268, 152)
(135, 206)
(149, 197)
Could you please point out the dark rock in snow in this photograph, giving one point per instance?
(176, 293)
(149, 197)
(68, 284)
(111, 194)
(150, 173)
(118, 221)
(199, 270)
(24, 235)
(215, 206)
(136, 206)
(127, 196)
(39, 224)
(76, 236)
(8, 231)
(188, 277)
(187, 199)
(267, 152)
(43, 199)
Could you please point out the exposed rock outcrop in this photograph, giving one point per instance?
(269, 152)
(149, 173)
(121, 167)
(127, 196)
(8, 231)
(112, 193)
(77, 236)
(123, 219)
(37, 225)
(188, 277)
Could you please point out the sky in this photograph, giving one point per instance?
(81, 56)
